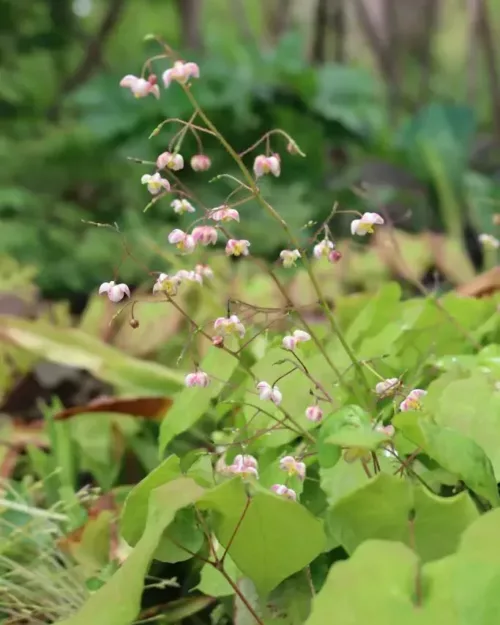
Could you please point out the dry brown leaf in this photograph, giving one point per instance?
(146, 407)
(485, 284)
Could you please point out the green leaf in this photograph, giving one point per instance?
(213, 583)
(455, 452)
(275, 539)
(381, 509)
(358, 437)
(192, 403)
(375, 585)
(118, 602)
(329, 451)
(183, 531)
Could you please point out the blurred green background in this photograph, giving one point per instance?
(398, 97)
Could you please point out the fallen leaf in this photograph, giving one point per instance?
(485, 284)
(147, 407)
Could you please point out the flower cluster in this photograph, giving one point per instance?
(180, 72)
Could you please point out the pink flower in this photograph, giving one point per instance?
(198, 378)
(245, 466)
(205, 235)
(388, 430)
(115, 292)
(190, 276)
(236, 247)
(267, 165)
(204, 271)
(365, 225)
(298, 336)
(182, 206)
(181, 73)
(183, 241)
(167, 284)
(200, 162)
(334, 256)
(224, 214)
(412, 401)
(293, 467)
(289, 258)
(229, 325)
(323, 248)
(155, 183)
(314, 414)
(387, 387)
(283, 491)
(268, 392)
(170, 160)
(140, 87)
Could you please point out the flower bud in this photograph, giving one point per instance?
(200, 162)
(314, 414)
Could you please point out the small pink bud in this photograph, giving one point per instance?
(236, 247)
(218, 341)
(292, 148)
(115, 292)
(284, 491)
(293, 467)
(198, 378)
(224, 214)
(314, 414)
(170, 160)
(334, 256)
(200, 162)
(205, 235)
(181, 72)
(289, 343)
(267, 165)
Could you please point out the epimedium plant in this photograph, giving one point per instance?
(350, 438)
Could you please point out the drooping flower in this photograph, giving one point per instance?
(267, 165)
(388, 387)
(244, 465)
(388, 429)
(488, 240)
(334, 256)
(284, 491)
(170, 160)
(205, 235)
(200, 162)
(323, 248)
(190, 276)
(183, 241)
(412, 401)
(155, 183)
(268, 392)
(293, 467)
(235, 247)
(198, 378)
(314, 414)
(141, 87)
(181, 72)
(182, 206)
(167, 284)
(115, 292)
(224, 214)
(365, 225)
(289, 258)
(298, 336)
(204, 271)
(229, 325)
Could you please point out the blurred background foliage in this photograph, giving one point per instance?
(393, 112)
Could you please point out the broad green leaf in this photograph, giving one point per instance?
(135, 510)
(358, 437)
(341, 479)
(213, 583)
(75, 348)
(118, 602)
(192, 403)
(376, 585)
(381, 509)
(454, 451)
(183, 531)
(470, 406)
(270, 544)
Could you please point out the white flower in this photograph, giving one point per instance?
(155, 183)
(298, 336)
(224, 214)
(115, 292)
(204, 271)
(267, 165)
(268, 392)
(205, 235)
(387, 387)
(235, 247)
(183, 241)
(170, 161)
(489, 240)
(289, 258)
(182, 206)
(293, 467)
(284, 491)
(365, 225)
(167, 284)
(323, 248)
(245, 466)
(198, 378)
(412, 401)
(140, 87)
(180, 72)
(190, 276)
(229, 325)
